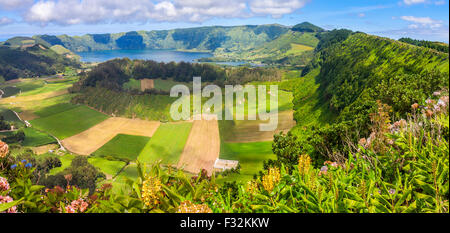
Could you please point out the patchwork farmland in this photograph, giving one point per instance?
(95, 137)
(202, 147)
(115, 145)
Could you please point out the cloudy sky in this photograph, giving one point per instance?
(420, 19)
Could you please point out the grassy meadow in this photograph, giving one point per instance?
(68, 123)
(250, 157)
(110, 167)
(123, 147)
(35, 138)
(166, 144)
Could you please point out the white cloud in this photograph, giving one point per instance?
(96, 11)
(276, 8)
(5, 21)
(15, 4)
(425, 22)
(412, 2)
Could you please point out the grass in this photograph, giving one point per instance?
(66, 161)
(54, 109)
(132, 84)
(130, 172)
(123, 146)
(250, 157)
(166, 144)
(49, 87)
(297, 49)
(110, 167)
(68, 123)
(35, 138)
(28, 84)
(9, 115)
(309, 109)
(167, 84)
(9, 91)
(284, 102)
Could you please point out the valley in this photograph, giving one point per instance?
(355, 111)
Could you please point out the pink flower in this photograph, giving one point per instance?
(77, 206)
(4, 185)
(8, 199)
(70, 209)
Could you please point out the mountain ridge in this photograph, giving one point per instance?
(206, 38)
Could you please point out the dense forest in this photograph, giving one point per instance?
(115, 73)
(439, 46)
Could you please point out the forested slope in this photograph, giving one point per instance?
(354, 70)
(21, 57)
(233, 38)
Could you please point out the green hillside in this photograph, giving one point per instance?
(306, 27)
(350, 73)
(290, 48)
(233, 38)
(28, 57)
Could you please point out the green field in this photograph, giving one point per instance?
(66, 161)
(167, 84)
(129, 172)
(54, 109)
(68, 123)
(132, 84)
(34, 137)
(9, 91)
(250, 157)
(110, 167)
(49, 87)
(9, 115)
(27, 85)
(166, 144)
(127, 147)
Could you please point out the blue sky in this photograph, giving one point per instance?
(420, 19)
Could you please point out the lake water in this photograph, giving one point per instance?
(146, 54)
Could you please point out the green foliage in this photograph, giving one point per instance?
(439, 46)
(80, 173)
(198, 39)
(306, 27)
(139, 105)
(356, 70)
(110, 167)
(36, 60)
(410, 175)
(15, 137)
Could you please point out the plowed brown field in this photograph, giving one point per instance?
(92, 139)
(202, 147)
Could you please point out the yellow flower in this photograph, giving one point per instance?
(271, 179)
(252, 187)
(150, 190)
(188, 207)
(304, 163)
